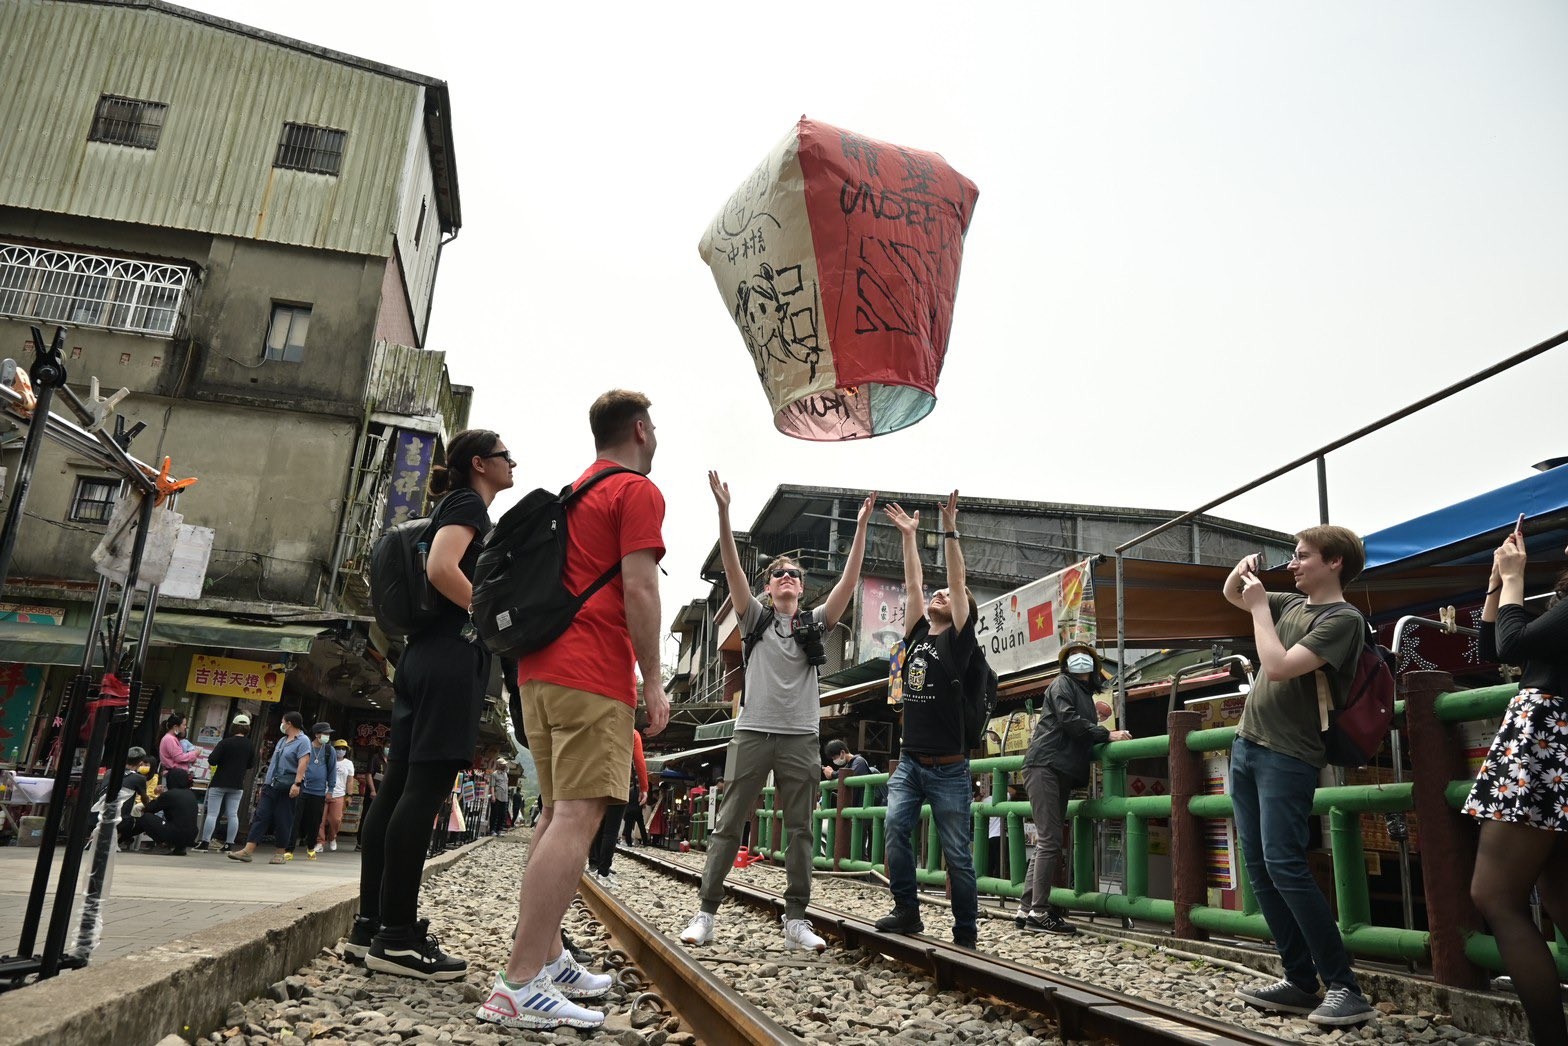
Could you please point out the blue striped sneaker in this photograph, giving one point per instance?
(537, 1004)
(574, 982)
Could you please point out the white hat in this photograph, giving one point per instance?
(241, 720)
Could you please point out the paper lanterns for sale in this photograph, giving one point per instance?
(838, 259)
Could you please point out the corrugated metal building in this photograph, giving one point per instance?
(244, 230)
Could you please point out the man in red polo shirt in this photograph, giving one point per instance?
(579, 698)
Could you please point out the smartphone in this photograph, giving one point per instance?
(1519, 526)
(1259, 562)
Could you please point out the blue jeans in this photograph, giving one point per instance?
(228, 801)
(1272, 799)
(949, 790)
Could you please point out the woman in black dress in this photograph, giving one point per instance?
(439, 695)
(1521, 793)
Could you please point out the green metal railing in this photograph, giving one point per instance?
(849, 805)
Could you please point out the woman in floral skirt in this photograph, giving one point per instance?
(1521, 793)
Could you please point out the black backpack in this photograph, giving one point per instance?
(521, 603)
(979, 687)
(400, 595)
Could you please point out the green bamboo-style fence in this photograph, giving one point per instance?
(1456, 949)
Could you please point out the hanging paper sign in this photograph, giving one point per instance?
(1028, 626)
(838, 260)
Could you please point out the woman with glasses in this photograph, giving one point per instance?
(439, 691)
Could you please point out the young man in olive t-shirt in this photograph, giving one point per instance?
(1277, 757)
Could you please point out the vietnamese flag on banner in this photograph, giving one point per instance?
(1040, 622)
(838, 260)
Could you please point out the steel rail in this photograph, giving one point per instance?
(1081, 1010)
(713, 1010)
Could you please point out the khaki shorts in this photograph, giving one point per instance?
(581, 742)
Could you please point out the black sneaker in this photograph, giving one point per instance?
(413, 952)
(575, 952)
(1021, 918)
(1281, 997)
(971, 943)
(202, 846)
(1050, 922)
(901, 920)
(1343, 1006)
(360, 937)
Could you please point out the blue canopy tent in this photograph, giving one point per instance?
(1443, 556)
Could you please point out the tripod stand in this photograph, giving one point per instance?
(95, 712)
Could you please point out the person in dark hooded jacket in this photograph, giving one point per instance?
(1061, 751)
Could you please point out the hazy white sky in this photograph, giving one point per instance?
(1210, 237)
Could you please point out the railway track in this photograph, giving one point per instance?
(680, 980)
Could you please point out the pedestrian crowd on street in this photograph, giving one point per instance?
(576, 699)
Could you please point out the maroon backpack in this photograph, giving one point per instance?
(1354, 731)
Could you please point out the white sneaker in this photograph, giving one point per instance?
(333, 845)
(317, 849)
(699, 931)
(573, 981)
(537, 1004)
(798, 934)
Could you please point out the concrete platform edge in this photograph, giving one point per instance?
(186, 986)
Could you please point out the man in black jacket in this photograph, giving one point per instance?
(1061, 751)
(177, 804)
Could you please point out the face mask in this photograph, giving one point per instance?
(387, 752)
(1080, 663)
(323, 738)
(144, 770)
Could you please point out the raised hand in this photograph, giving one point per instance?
(721, 491)
(906, 523)
(950, 512)
(866, 508)
(1510, 558)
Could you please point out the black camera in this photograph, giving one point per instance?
(808, 633)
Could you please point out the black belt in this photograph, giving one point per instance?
(937, 760)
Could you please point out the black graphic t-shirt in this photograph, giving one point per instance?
(933, 700)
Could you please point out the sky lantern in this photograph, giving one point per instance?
(838, 259)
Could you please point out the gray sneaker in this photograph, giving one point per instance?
(1343, 1006)
(1281, 997)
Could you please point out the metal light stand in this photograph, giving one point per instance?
(111, 729)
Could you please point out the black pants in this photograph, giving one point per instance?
(396, 836)
(160, 831)
(308, 827)
(602, 852)
(634, 817)
(497, 815)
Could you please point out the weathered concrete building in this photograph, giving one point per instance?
(244, 230)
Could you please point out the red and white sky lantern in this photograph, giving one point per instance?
(838, 259)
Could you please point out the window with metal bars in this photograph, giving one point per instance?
(306, 148)
(286, 333)
(128, 121)
(91, 289)
(93, 501)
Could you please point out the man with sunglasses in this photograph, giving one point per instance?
(777, 730)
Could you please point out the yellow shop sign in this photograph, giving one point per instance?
(232, 677)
